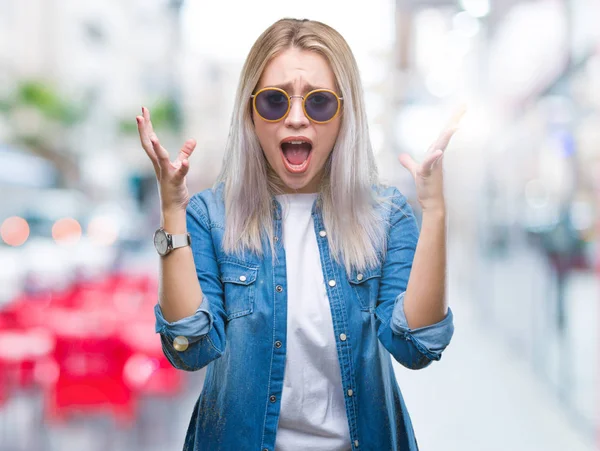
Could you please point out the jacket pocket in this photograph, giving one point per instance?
(238, 288)
(365, 285)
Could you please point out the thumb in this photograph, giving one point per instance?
(183, 169)
(430, 161)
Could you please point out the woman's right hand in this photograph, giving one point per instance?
(172, 187)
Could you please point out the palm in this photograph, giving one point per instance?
(171, 175)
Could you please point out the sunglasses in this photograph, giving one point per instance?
(273, 104)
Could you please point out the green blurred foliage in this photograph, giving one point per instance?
(46, 99)
(166, 116)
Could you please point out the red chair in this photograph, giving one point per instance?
(20, 352)
(91, 360)
(147, 371)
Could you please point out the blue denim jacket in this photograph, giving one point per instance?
(239, 331)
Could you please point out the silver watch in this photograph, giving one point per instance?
(164, 242)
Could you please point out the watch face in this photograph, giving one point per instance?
(160, 242)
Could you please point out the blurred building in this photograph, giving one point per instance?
(104, 59)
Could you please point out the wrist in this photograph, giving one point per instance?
(438, 211)
(435, 206)
(173, 221)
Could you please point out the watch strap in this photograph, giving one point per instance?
(181, 240)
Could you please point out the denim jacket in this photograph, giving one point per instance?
(239, 333)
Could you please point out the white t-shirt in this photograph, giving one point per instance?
(313, 414)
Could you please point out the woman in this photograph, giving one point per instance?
(295, 289)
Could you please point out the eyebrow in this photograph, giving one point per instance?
(287, 87)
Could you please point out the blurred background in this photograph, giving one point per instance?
(80, 365)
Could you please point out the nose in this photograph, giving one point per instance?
(296, 117)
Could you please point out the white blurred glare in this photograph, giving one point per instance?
(430, 38)
(90, 258)
(458, 44)
(138, 370)
(103, 230)
(582, 215)
(536, 194)
(374, 70)
(558, 109)
(231, 40)
(543, 217)
(465, 24)
(441, 84)
(103, 170)
(444, 76)
(440, 51)
(377, 137)
(475, 125)
(417, 127)
(476, 8)
(528, 50)
(375, 105)
(12, 275)
(48, 266)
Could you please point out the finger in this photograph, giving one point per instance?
(186, 150)
(146, 113)
(145, 141)
(148, 124)
(444, 139)
(143, 131)
(430, 162)
(184, 167)
(410, 164)
(161, 153)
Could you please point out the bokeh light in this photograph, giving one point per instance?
(66, 231)
(14, 231)
(102, 230)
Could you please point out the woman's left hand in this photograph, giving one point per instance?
(429, 174)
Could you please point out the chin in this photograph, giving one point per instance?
(297, 184)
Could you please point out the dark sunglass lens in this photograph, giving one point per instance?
(271, 104)
(321, 106)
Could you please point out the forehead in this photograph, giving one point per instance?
(296, 70)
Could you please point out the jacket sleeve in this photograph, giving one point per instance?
(203, 332)
(413, 348)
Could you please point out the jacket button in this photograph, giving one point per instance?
(359, 277)
(350, 392)
(278, 344)
(343, 337)
(332, 283)
(323, 233)
(243, 278)
(276, 238)
(356, 443)
(272, 398)
(279, 288)
(180, 343)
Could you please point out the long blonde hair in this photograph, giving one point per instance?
(356, 229)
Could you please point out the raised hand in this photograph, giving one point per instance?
(429, 174)
(174, 195)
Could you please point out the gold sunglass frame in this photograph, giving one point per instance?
(289, 97)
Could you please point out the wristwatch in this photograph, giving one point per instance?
(164, 242)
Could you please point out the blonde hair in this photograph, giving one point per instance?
(356, 228)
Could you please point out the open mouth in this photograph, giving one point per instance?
(296, 154)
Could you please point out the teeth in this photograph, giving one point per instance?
(297, 142)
